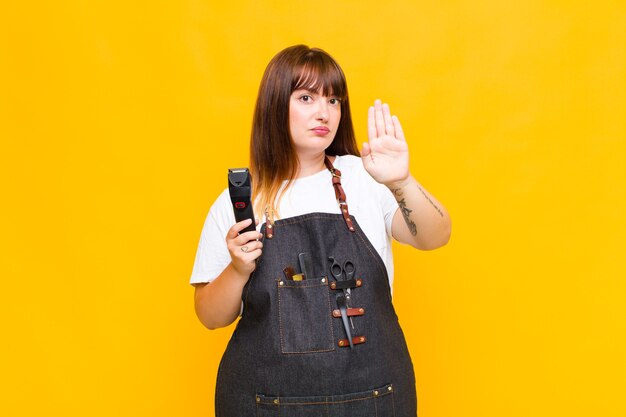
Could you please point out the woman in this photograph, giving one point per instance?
(322, 338)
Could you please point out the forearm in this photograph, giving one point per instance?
(218, 303)
(421, 221)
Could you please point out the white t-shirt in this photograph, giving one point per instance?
(371, 203)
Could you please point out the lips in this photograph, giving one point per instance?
(321, 130)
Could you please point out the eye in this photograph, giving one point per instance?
(334, 101)
(306, 98)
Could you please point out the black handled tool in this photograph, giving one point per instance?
(240, 190)
(306, 265)
(343, 308)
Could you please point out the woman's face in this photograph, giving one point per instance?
(313, 121)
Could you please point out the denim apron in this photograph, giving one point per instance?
(289, 355)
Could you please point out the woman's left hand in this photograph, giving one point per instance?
(386, 155)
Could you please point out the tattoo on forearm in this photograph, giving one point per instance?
(405, 213)
(398, 193)
(431, 201)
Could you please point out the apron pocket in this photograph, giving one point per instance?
(376, 402)
(305, 316)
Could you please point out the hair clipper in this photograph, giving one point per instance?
(240, 190)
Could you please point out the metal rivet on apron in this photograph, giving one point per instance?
(375, 393)
(352, 229)
(323, 280)
(345, 211)
(269, 226)
(281, 283)
(361, 310)
(361, 339)
(341, 343)
(389, 389)
(258, 399)
(276, 401)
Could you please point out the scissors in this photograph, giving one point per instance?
(337, 271)
(343, 300)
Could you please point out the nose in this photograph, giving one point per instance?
(322, 111)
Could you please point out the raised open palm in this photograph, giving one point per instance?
(386, 155)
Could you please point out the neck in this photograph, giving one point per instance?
(310, 165)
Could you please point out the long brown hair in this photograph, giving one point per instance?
(273, 158)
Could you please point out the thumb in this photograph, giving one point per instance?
(365, 151)
(365, 156)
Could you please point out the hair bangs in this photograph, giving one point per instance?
(319, 73)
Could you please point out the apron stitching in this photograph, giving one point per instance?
(280, 322)
(376, 407)
(304, 217)
(330, 309)
(327, 402)
(309, 351)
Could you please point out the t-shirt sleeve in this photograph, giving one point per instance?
(389, 205)
(212, 255)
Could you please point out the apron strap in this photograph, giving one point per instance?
(339, 193)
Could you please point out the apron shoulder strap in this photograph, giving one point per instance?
(339, 193)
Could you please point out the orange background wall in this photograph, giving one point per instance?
(119, 119)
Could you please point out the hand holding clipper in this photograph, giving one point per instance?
(243, 243)
(240, 190)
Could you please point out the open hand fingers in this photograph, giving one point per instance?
(398, 128)
(247, 249)
(236, 241)
(233, 232)
(244, 248)
(380, 122)
(371, 124)
(389, 129)
(380, 118)
(244, 238)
